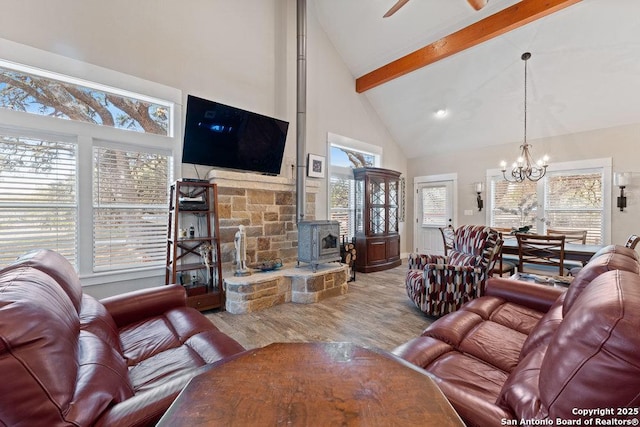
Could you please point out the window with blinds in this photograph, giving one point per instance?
(565, 200)
(574, 201)
(515, 204)
(434, 206)
(38, 197)
(342, 193)
(130, 205)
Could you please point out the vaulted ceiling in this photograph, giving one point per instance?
(584, 73)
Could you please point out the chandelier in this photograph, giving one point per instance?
(524, 167)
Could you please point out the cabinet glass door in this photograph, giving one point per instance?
(377, 206)
(359, 207)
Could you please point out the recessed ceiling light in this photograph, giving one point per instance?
(441, 113)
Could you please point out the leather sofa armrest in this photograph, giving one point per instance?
(532, 295)
(133, 306)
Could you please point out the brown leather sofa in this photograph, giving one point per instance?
(68, 359)
(538, 353)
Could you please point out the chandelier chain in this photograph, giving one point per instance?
(525, 99)
(525, 167)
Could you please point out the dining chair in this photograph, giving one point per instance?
(541, 250)
(571, 236)
(448, 236)
(632, 241)
(503, 266)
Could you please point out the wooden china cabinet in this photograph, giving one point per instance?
(377, 194)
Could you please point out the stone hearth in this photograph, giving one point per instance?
(297, 284)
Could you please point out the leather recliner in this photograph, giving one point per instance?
(532, 354)
(68, 359)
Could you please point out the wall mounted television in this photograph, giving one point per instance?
(222, 136)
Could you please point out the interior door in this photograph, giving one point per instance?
(434, 209)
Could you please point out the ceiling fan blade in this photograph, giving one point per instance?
(478, 4)
(395, 8)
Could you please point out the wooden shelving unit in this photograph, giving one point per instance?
(193, 244)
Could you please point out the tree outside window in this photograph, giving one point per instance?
(341, 186)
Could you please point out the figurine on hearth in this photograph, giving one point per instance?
(240, 242)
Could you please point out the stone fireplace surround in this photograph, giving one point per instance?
(266, 206)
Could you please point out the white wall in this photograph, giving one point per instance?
(619, 143)
(334, 106)
(240, 52)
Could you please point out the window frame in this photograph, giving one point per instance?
(604, 164)
(343, 172)
(99, 206)
(35, 205)
(86, 135)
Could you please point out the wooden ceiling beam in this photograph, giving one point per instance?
(508, 19)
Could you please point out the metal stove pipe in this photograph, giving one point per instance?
(301, 108)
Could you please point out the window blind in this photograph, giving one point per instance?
(38, 197)
(342, 190)
(130, 208)
(574, 201)
(434, 206)
(514, 204)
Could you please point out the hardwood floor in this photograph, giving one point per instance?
(376, 312)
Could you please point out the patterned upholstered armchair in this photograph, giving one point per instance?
(440, 284)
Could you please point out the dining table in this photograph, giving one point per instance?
(572, 251)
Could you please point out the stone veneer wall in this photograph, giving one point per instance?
(266, 206)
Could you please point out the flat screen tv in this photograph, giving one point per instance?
(222, 136)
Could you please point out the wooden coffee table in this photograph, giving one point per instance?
(312, 384)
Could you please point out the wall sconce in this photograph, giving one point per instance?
(479, 188)
(621, 180)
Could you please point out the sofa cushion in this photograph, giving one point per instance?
(489, 341)
(495, 344)
(520, 394)
(516, 317)
(422, 351)
(471, 385)
(57, 267)
(102, 379)
(95, 319)
(544, 329)
(601, 264)
(162, 348)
